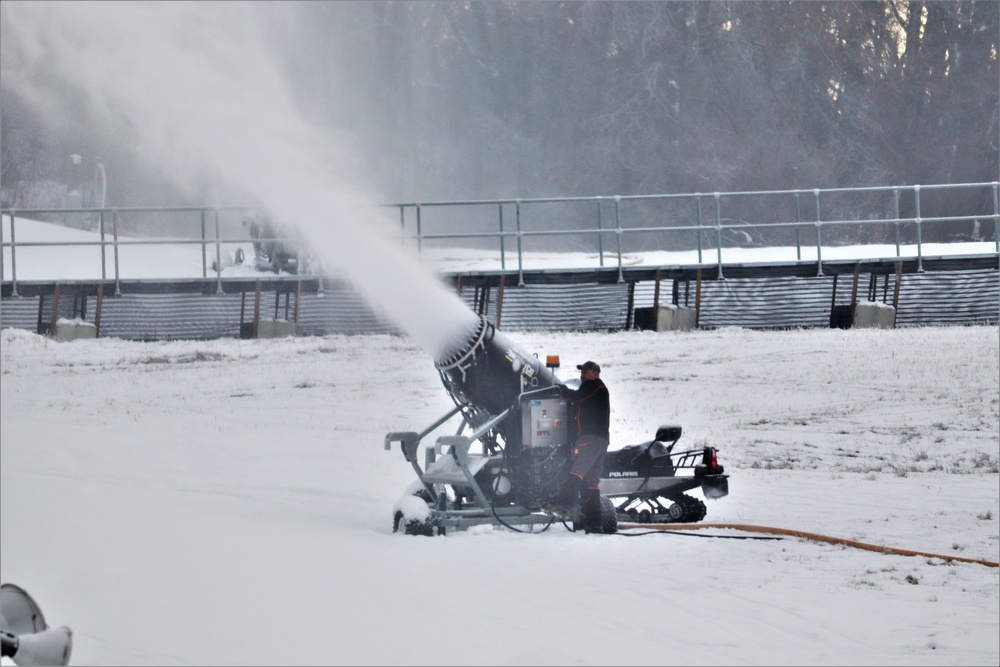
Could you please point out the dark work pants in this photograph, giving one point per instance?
(584, 476)
(587, 461)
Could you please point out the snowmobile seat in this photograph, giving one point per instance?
(627, 455)
(657, 449)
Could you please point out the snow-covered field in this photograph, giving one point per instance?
(229, 502)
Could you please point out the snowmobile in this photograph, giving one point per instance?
(271, 251)
(645, 483)
(517, 452)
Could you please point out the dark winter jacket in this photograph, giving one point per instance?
(589, 409)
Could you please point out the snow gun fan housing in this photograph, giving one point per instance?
(488, 373)
(517, 451)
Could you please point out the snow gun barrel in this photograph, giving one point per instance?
(488, 371)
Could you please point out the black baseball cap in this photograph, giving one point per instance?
(589, 366)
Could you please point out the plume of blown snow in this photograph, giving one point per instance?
(207, 101)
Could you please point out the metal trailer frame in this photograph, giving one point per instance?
(458, 466)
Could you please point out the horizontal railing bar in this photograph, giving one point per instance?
(540, 200)
(513, 234)
(689, 228)
(131, 241)
(692, 195)
(129, 209)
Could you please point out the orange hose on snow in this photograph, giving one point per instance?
(804, 535)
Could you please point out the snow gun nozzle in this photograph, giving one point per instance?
(489, 371)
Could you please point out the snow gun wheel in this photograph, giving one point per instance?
(413, 526)
(414, 515)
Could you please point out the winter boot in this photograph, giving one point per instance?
(591, 507)
(563, 502)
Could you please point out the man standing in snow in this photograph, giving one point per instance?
(589, 417)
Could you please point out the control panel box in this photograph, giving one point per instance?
(544, 422)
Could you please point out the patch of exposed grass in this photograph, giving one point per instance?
(200, 356)
(156, 360)
(772, 465)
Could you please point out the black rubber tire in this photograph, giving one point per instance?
(415, 526)
(609, 516)
(694, 509)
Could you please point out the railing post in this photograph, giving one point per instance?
(218, 255)
(503, 259)
(13, 255)
(895, 196)
(819, 238)
(718, 232)
(520, 235)
(920, 254)
(618, 236)
(798, 230)
(420, 239)
(204, 247)
(402, 225)
(996, 217)
(104, 258)
(600, 234)
(99, 310)
(256, 311)
(114, 236)
(697, 202)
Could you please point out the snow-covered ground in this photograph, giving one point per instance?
(229, 502)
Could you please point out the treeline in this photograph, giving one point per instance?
(586, 98)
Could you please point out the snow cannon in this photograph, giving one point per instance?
(511, 450)
(486, 374)
(25, 637)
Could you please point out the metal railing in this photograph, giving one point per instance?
(210, 237)
(413, 220)
(632, 217)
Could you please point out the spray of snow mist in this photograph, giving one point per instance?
(211, 108)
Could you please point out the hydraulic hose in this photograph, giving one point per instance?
(815, 537)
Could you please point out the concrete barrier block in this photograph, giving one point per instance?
(275, 329)
(66, 330)
(874, 314)
(675, 318)
(665, 318)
